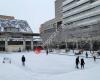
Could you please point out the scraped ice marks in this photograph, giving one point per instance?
(38, 50)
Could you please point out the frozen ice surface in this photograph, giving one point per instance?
(55, 66)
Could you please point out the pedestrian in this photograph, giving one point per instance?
(82, 63)
(77, 62)
(86, 55)
(47, 51)
(23, 60)
(94, 57)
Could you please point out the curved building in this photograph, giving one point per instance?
(48, 28)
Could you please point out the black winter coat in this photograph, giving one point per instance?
(23, 59)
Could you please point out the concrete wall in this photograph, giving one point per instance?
(49, 27)
(11, 48)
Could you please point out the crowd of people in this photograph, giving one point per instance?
(81, 61)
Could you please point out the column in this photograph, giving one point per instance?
(24, 45)
(91, 45)
(73, 46)
(77, 45)
(6, 44)
(32, 44)
(66, 46)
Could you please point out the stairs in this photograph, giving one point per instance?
(50, 39)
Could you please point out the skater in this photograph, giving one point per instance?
(77, 62)
(47, 51)
(82, 63)
(86, 55)
(94, 57)
(23, 60)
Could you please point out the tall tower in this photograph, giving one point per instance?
(58, 9)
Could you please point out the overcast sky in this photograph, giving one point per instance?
(34, 11)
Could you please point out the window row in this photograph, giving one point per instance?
(81, 11)
(74, 6)
(66, 3)
(49, 30)
(85, 20)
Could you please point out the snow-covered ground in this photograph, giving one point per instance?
(47, 67)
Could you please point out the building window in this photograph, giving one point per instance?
(91, 1)
(76, 0)
(15, 42)
(28, 42)
(49, 30)
(84, 27)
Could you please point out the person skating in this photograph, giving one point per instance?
(23, 60)
(94, 57)
(77, 62)
(47, 52)
(86, 55)
(82, 63)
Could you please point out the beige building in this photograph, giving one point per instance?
(77, 24)
(15, 35)
(6, 17)
(81, 18)
(49, 27)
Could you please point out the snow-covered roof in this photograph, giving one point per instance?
(21, 24)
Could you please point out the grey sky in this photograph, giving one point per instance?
(34, 11)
